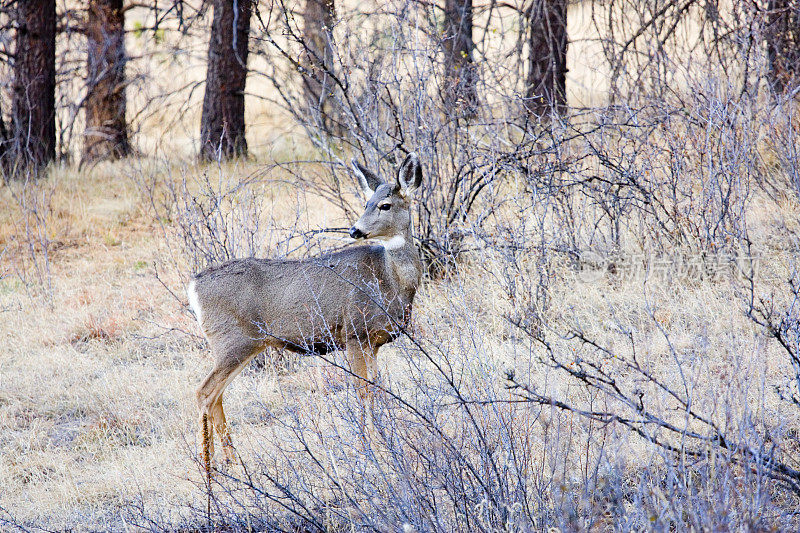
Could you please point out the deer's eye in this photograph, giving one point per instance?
(385, 207)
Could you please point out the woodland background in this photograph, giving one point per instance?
(608, 334)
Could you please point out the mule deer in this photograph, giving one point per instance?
(357, 299)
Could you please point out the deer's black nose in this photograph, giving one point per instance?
(356, 233)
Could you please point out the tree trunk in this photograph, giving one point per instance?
(317, 60)
(222, 126)
(545, 89)
(783, 44)
(106, 134)
(5, 139)
(33, 126)
(460, 75)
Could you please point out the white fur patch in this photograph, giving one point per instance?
(395, 243)
(194, 303)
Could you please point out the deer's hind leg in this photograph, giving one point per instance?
(232, 354)
(221, 425)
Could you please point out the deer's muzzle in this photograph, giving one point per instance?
(357, 233)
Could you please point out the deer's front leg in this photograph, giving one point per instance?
(362, 358)
(357, 356)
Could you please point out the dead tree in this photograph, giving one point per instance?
(460, 75)
(783, 44)
(32, 132)
(317, 61)
(106, 134)
(222, 125)
(545, 89)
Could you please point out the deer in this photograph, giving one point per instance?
(357, 299)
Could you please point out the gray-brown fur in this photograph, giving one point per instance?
(357, 299)
(251, 295)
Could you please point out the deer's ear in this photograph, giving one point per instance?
(366, 178)
(409, 176)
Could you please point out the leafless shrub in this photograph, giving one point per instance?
(784, 126)
(694, 434)
(388, 102)
(656, 45)
(30, 210)
(203, 220)
(778, 312)
(218, 223)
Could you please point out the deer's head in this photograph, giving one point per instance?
(387, 215)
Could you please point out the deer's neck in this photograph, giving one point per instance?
(398, 242)
(404, 263)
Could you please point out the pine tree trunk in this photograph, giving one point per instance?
(460, 75)
(317, 60)
(222, 125)
(783, 44)
(5, 139)
(106, 134)
(33, 126)
(547, 63)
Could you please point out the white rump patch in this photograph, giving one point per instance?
(395, 243)
(194, 303)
